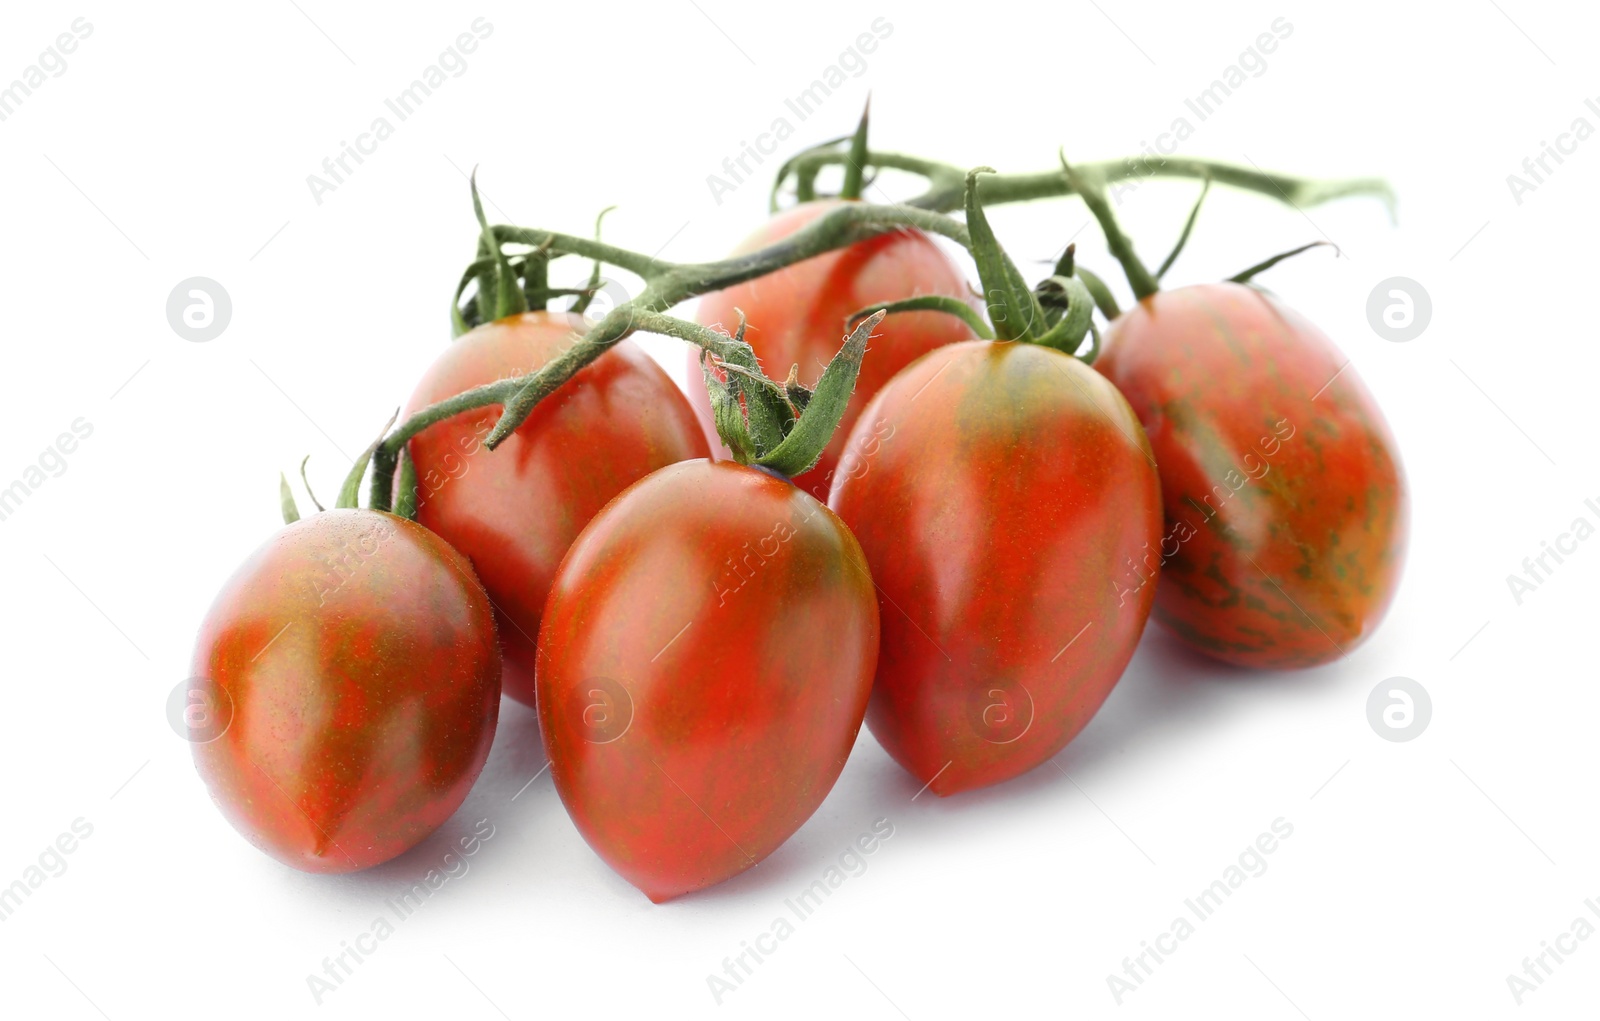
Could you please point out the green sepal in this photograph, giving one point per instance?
(1072, 297)
(1245, 276)
(350, 492)
(291, 513)
(855, 160)
(727, 415)
(1088, 357)
(1188, 227)
(803, 447)
(506, 297)
(477, 270)
(307, 482)
(1068, 263)
(766, 408)
(582, 304)
(798, 393)
(1103, 298)
(405, 498)
(929, 303)
(1012, 307)
(535, 277)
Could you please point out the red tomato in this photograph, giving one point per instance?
(1285, 500)
(708, 650)
(797, 315)
(515, 510)
(1000, 491)
(356, 654)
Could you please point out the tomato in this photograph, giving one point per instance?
(515, 510)
(1004, 496)
(1285, 499)
(352, 662)
(797, 315)
(708, 651)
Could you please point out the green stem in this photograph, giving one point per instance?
(666, 285)
(497, 392)
(1093, 193)
(381, 495)
(789, 164)
(946, 183)
(567, 244)
(582, 304)
(940, 176)
(856, 159)
(1245, 276)
(838, 228)
(1188, 228)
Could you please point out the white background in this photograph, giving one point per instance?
(177, 143)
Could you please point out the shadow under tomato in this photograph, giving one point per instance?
(1168, 689)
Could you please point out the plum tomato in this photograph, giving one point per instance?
(707, 655)
(1286, 506)
(796, 315)
(514, 511)
(1006, 500)
(352, 665)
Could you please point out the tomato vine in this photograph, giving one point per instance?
(1056, 313)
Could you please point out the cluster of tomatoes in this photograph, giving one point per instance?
(961, 550)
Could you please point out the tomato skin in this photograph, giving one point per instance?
(797, 317)
(708, 651)
(357, 653)
(515, 510)
(1286, 509)
(1001, 493)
